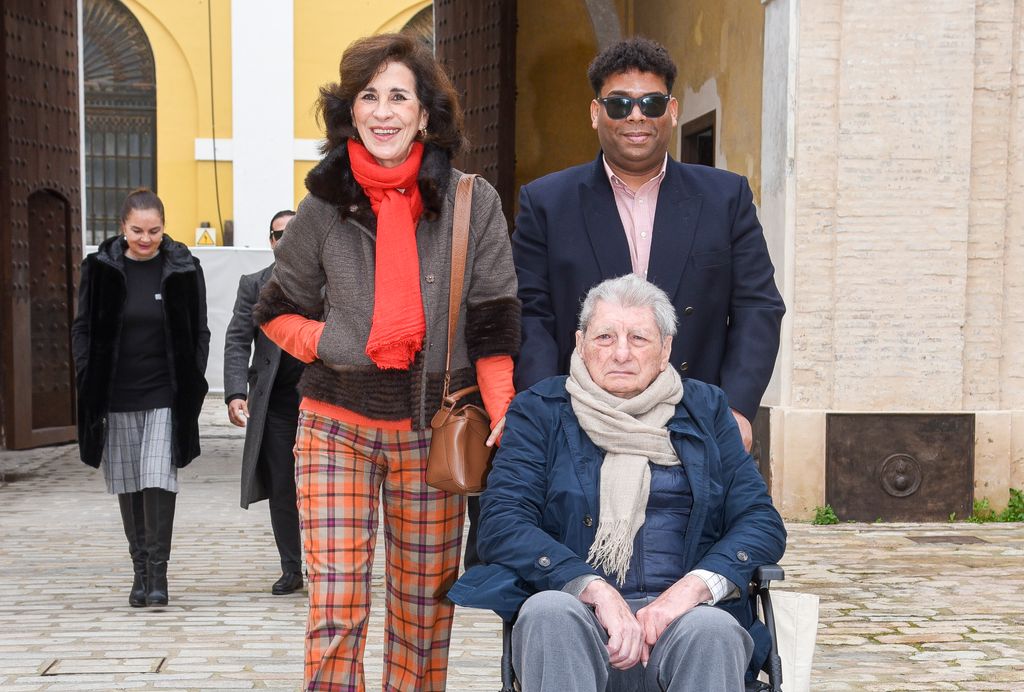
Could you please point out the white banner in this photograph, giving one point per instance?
(222, 267)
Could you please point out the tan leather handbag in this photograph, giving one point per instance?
(459, 457)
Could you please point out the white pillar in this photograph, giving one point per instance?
(778, 176)
(263, 129)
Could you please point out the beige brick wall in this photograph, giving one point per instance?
(990, 132)
(905, 258)
(1011, 370)
(811, 306)
(906, 116)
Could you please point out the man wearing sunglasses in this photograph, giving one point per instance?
(691, 230)
(264, 400)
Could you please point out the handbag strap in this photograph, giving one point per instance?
(460, 245)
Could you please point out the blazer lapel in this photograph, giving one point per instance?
(603, 225)
(675, 227)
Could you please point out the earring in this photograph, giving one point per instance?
(423, 132)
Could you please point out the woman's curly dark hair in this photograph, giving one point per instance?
(362, 60)
(636, 53)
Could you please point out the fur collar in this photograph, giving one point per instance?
(332, 181)
(177, 257)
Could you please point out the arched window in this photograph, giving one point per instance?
(120, 113)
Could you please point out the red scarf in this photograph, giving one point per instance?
(398, 327)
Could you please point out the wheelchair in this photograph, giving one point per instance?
(759, 589)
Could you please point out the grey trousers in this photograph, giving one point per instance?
(558, 645)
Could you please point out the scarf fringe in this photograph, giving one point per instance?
(612, 549)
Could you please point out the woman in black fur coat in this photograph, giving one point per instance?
(140, 343)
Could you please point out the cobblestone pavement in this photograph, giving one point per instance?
(903, 607)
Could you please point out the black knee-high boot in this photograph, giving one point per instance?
(159, 510)
(135, 531)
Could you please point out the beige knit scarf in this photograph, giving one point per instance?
(631, 432)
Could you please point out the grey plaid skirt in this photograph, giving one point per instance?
(137, 454)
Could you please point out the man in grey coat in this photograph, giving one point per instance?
(264, 400)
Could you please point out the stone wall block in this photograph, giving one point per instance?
(993, 456)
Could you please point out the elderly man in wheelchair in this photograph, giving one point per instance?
(623, 519)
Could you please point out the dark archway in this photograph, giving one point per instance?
(120, 113)
(422, 26)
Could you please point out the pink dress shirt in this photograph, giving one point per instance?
(637, 209)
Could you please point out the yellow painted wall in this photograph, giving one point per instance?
(181, 49)
(720, 40)
(708, 39)
(177, 31)
(323, 29)
(554, 45)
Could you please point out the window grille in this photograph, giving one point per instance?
(120, 113)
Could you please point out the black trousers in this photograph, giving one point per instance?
(471, 559)
(277, 470)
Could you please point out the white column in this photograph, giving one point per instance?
(263, 129)
(778, 176)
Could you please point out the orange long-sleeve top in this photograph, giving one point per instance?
(300, 337)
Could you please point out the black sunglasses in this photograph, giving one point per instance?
(276, 235)
(619, 107)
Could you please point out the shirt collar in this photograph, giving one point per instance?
(616, 181)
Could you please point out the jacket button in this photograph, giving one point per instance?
(544, 561)
(688, 310)
(741, 555)
(684, 366)
(588, 520)
(430, 278)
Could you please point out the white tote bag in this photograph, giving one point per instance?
(796, 628)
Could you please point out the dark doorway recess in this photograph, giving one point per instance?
(697, 140)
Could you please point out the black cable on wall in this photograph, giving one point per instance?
(213, 116)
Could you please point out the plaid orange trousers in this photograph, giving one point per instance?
(341, 474)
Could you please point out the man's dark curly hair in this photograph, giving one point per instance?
(636, 53)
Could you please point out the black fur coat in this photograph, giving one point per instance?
(95, 343)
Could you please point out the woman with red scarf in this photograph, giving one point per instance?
(360, 292)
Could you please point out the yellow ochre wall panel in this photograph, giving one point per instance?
(554, 46)
(322, 32)
(177, 32)
(718, 46)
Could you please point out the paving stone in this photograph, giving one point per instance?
(894, 614)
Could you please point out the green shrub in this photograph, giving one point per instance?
(1015, 508)
(824, 516)
(983, 512)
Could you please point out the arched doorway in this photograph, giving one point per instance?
(40, 234)
(120, 113)
(421, 26)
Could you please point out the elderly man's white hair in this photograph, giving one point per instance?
(631, 291)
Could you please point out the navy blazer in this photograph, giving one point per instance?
(538, 514)
(708, 254)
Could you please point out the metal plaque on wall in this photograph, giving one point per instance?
(899, 466)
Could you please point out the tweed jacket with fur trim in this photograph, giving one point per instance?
(325, 267)
(95, 341)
